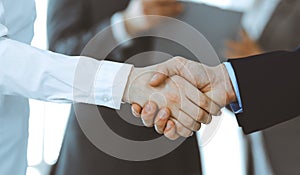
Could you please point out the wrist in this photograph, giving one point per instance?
(230, 92)
(125, 97)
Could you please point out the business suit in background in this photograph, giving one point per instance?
(280, 31)
(71, 24)
(282, 142)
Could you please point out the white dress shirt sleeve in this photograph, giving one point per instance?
(43, 75)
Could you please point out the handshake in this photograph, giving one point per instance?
(178, 95)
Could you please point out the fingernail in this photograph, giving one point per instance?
(162, 114)
(209, 119)
(133, 110)
(219, 113)
(168, 126)
(148, 108)
(136, 114)
(192, 134)
(154, 78)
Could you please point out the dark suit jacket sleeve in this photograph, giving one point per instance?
(269, 86)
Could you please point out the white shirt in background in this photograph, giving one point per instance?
(257, 17)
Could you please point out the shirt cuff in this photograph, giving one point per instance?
(118, 29)
(110, 83)
(236, 106)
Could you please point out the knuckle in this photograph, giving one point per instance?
(159, 125)
(183, 131)
(158, 129)
(179, 59)
(196, 112)
(200, 116)
(178, 83)
(204, 102)
(208, 119)
(197, 127)
(180, 129)
(173, 98)
(189, 123)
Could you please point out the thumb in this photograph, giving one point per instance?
(136, 110)
(157, 79)
(167, 69)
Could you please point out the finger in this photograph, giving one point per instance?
(195, 112)
(161, 120)
(167, 69)
(202, 101)
(148, 114)
(170, 131)
(181, 130)
(188, 122)
(207, 104)
(136, 110)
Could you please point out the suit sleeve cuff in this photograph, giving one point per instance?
(110, 83)
(236, 106)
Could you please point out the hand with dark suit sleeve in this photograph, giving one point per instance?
(269, 89)
(267, 84)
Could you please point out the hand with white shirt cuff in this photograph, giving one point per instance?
(214, 82)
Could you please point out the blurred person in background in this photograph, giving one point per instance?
(71, 25)
(269, 26)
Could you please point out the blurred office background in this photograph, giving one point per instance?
(48, 121)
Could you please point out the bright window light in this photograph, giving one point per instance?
(32, 171)
(56, 116)
(36, 133)
(47, 120)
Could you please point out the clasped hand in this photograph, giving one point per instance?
(179, 95)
